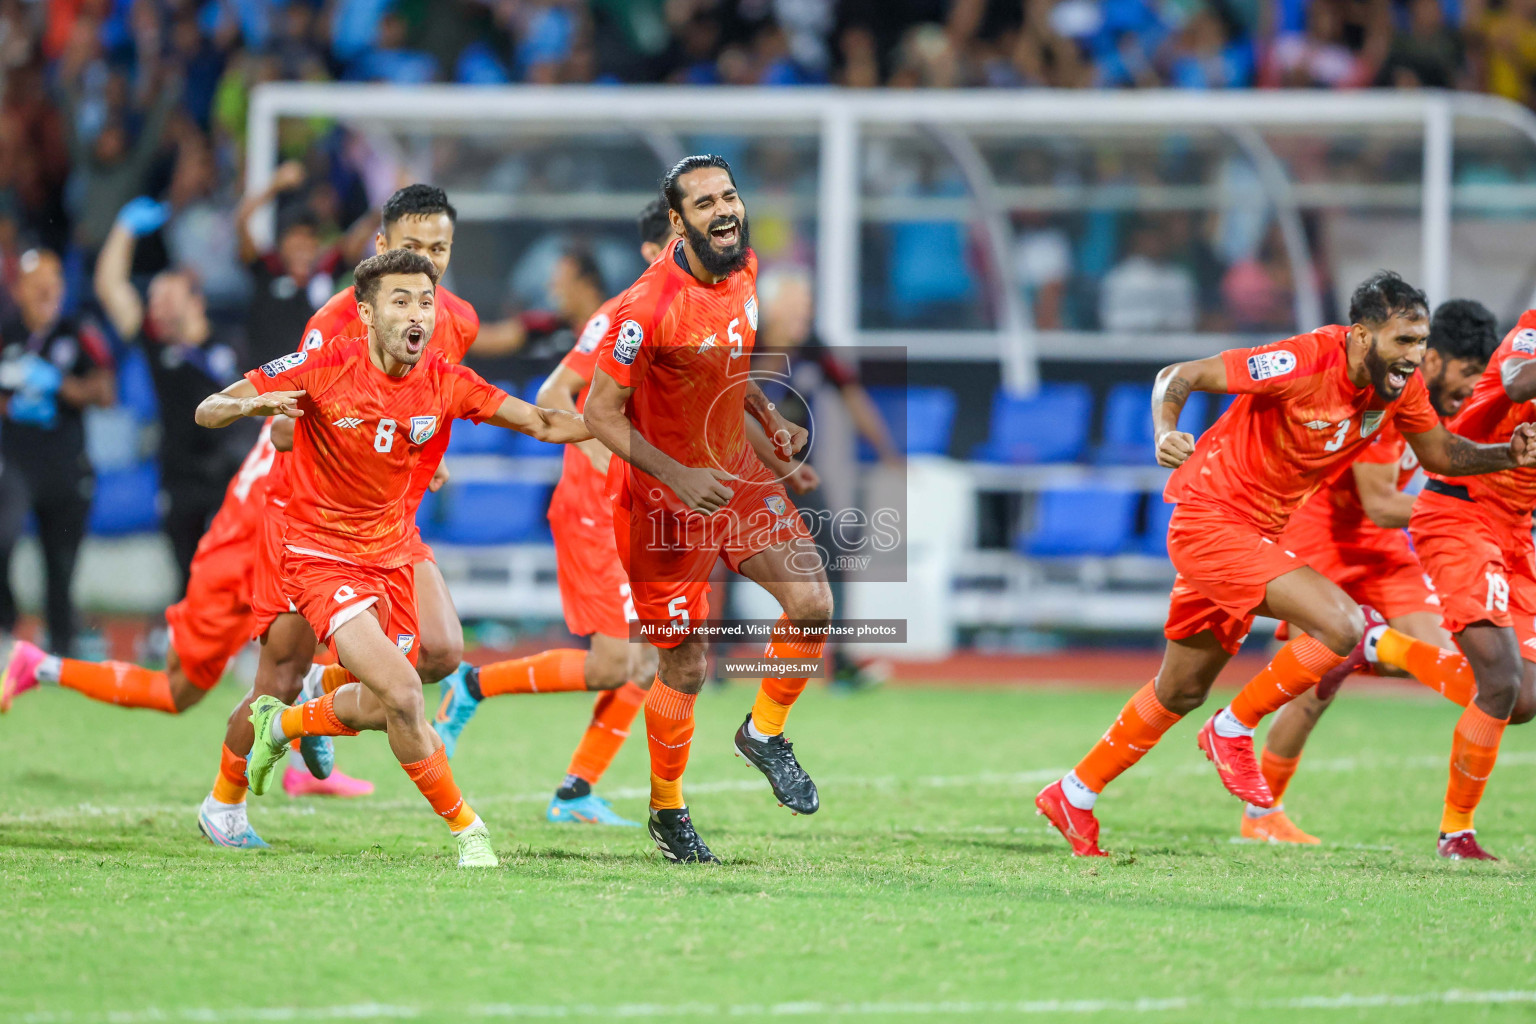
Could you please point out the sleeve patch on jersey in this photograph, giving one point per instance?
(1265, 365)
(627, 345)
(1525, 342)
(751, 310)
(313, 340)
(592, 337)
(283, 363)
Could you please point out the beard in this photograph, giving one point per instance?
(394, 343)
(718, 262)
(1380, 371)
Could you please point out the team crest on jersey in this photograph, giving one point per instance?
(1371, 421)
(751, 308)
(592, 336)
(422, 428)
(283, 363)
(1525, 342)
(777, 505)
(627, 345)
(405, 641)
(313, 340)
(1265, 365)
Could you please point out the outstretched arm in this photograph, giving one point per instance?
(559, 391)
(556, 426)
(119, 299)
(1448, 454)
(1170, 391)
(702, 490)
(240, 399)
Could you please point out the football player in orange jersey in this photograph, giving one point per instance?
(1352, 531)
(1307, 407)
(420, 219)
(671, 386)
(594, 592)
(368, 410)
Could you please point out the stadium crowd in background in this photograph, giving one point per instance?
(125, 119)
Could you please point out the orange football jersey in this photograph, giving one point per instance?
(1298, 422)
(582, 488)
(1336, 506)
(245, 497)
(685, 347)
(1490, 418)
(359, 445)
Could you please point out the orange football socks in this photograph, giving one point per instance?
(558, 671)
(117, 682)
(314, 718)
(612, 714)
(1278, 771)
(669, 732)
(1140, 725)
(1294, 671)
(335, 676)
(778, 693)
(1445, 672)
(435, 780)
(229, 785)
(1474, 749)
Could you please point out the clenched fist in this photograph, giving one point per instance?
(1173, 447)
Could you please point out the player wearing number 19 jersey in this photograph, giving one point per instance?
(673, 382)
(1307, 407)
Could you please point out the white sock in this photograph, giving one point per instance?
(1262, 812)
(313, 685)
(1228, 727)
(1372, 638)
(215, 804)
(1077, 792)
(278, 736)
(466, 828)
(753, 732)
(48, 670)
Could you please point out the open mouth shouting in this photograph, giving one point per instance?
(1398, 374)
(415, 339)
(725, 232)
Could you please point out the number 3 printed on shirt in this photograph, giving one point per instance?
(1338, 439)
(384, 436)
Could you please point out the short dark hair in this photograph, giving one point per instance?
(417, 200)
(1384, 295)
(302, 218)
(654, 224)
(372, 270)
(586, 265)
(1464, 329)
(670, 190)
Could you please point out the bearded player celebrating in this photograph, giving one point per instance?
(671, 383)
(367, 410)
(1352, 531)
(1236, 491)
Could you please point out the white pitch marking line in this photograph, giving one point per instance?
(806, 1008)
(753, 785)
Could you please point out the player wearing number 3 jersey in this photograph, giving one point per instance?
(1307, 407)
(367, 411)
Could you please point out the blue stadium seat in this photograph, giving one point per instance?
(427, 516)
(919, 418)
(1050, 426)
(495, 512)
(126, 502)
(1128, 424)
(1081, 522)
(482, 438)
(1159, 512)
(136, 388)
(524, 446)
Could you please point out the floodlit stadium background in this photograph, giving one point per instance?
(1033, 256)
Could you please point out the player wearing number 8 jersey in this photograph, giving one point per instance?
(1307, 406)
(367, 411)
(672, 383)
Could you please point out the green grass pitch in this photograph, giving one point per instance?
(925, 890)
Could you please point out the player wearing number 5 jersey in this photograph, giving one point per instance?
(1307, 407)
(367, 411)
(671, 384)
